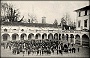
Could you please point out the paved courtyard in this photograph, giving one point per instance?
(84, 52)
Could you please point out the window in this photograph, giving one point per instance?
(22, 30)
(79, 23)
(85, 23)
(79, 14)
(5, 37)
(29, 29)
(5, 30)
(14, 29)
(85, 12)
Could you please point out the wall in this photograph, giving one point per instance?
(82, 18)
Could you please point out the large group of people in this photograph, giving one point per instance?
(39, 47)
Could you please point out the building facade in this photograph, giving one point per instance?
(83, 20)
(14, 31)
(24, 31)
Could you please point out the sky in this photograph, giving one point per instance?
(50, 9)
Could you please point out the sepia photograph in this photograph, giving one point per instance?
(45, 28)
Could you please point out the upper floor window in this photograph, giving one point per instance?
(14, 29)
(85, 23)
(79, 23)
(5, 30)
(79, 14)
(85, 12)
(29, 29)
(22, 30)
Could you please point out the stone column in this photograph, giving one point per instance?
(1, 38)
(19, 38)
(10, 38)
(69, 28)
(81, 40)
(74, 39)
(33, 36)
(69, 38)
(47, 36)
(27, 37)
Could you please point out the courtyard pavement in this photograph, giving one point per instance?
(84, 52)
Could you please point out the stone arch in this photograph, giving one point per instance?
(50, 36)
(23, 36)
(77, 37)
(6, 37)
(44, 36)
(30, 36)
(15, 36)
(38, 36)
(56, 36)
(85, 40)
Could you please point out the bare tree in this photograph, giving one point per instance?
(21, 19)
(66, 22)
(63, 21)
(32, 19)
(67, 18)
(9, 13)
(55, 22)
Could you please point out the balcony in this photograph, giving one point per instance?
(9, 31)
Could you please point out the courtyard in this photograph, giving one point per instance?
(84, 52)
(45, 29)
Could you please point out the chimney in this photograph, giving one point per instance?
(43, 20)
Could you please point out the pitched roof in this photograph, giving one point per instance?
(84, 8)
(28, 24)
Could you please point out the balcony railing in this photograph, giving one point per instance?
(32, 31)
(9, 31)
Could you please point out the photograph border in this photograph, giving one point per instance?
(44, 57)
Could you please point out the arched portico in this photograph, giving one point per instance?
(23, 36)
(85, 40)
(30, 36)
(50, 36)
(77, 39)
(38, 36)
(44, 36)
(5, 37)
(15, 36)
(56, 36)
